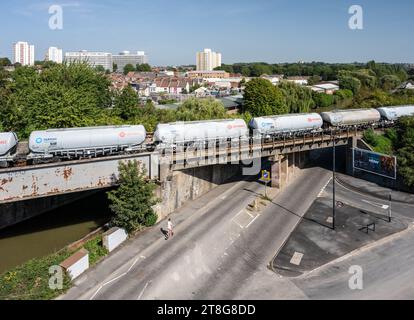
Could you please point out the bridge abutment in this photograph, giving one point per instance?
(178, 187)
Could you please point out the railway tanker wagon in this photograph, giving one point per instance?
(351, 118)
(394, 113)
(8, 147)
(191, 132)
(85, 142)
(286, 124)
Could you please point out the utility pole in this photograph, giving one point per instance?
(333, 177)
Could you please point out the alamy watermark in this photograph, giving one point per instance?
(356, 21)
(356, 281)
(56, 18)
(56, 279)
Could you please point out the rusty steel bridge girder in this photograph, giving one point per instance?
(17, 184)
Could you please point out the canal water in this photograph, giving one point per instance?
(52, 231)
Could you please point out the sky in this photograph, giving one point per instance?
(172, 31)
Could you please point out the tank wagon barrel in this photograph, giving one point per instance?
(81, 142)
(394, 113)
(186, 132)
(8, 147)
(289, 123)
(351, 117)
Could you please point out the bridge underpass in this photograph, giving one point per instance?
(181, 176)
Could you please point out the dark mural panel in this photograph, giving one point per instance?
(375, 163)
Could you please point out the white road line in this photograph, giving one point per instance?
(116, 278)
(324, 187)
(251, 222)
(379, 205)
(97, 291)
(106, 283)
(143, 290)
(251, 216)
(136, 260)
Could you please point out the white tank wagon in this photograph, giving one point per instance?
(394, 113)
(289, 123)
(353, 117)
(85, 142)
(8, 147)
(199, 131)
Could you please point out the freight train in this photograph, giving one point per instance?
(77, 143)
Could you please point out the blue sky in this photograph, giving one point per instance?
(171, 31)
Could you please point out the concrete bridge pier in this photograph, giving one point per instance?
(352, 143)
(285, 168)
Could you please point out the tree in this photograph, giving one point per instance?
(389, 82)
(201, 109)
(129, 68)
(145, 67)
(62, 96)
(299, 99)
(261, 98)
(132, 202)
(4, 62)
(242, 83)
(126, 103)
(114, 67)
(324, 100)
(314, 80)
(405, 149)
(100, 69)
(350, 83)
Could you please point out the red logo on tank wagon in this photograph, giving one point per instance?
(122, 134)
(3, 141)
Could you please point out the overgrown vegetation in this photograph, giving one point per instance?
(380, 143)
(132, 202)
(398, 142)
(30, 281)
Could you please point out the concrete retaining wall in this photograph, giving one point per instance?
(190, 184)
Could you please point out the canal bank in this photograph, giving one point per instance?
(52, 231)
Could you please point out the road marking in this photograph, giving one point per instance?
(379, 205)
(324, 187)
(251, 222)
(116, 278)
(143, 290)
(249, 214)
(136, 260)
(296, 258)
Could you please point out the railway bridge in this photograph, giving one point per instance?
(204, 166)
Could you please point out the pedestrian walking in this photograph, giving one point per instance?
(170, 229)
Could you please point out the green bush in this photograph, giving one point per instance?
(324, 100)
(380, 143)
(96, 250)
(151, 219)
